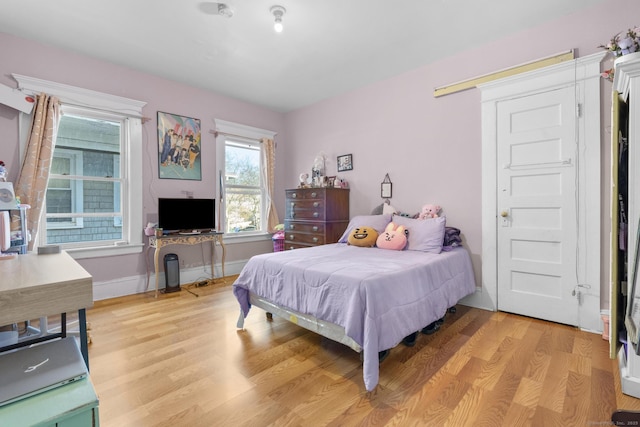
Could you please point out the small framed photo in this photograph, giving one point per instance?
(345, 163)
(331, 181)
(385, 190)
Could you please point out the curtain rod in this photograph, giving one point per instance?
(216, 133)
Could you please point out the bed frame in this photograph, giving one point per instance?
(321, 327)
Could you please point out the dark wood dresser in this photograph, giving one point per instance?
(315, 216)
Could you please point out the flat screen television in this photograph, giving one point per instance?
(186, 214)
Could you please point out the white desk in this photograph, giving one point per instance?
(33, 286)
(185, 239)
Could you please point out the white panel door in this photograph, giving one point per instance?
(536, 202)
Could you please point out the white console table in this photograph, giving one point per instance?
(185, 239)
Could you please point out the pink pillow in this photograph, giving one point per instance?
(393, 238)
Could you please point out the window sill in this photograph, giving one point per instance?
(231, 238)
(104, 251)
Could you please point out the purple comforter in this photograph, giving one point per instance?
(378, 296)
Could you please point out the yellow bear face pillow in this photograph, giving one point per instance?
(363, 236)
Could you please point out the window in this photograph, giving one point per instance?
(243, 187)
(240, 162)
(83, 196)
(94, 194)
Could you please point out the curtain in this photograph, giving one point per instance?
(34, 175)
(269, 157)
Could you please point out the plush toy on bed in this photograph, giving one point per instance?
(393, 237)
(429, 211)
(363, 236)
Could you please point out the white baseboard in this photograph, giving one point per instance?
(138, 284)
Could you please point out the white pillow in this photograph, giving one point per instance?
(377, 222)
(425, 235)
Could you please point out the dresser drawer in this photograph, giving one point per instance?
(315, 193)
(305, 209)
(304, 227)
(291, 245)
(296, 237)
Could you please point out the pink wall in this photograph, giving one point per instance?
(431, 147)
(24, 57)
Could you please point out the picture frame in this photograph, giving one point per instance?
(179, 147)
(385, 190)
(331, 181)
(345, 163)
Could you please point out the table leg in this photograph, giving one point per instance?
(155, 263)
(213, 260)
(146, 263)
(224, 253)
(84, 348)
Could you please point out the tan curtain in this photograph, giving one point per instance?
(34, 175)
(269, 156)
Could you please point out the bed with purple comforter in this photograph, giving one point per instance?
(378, 296)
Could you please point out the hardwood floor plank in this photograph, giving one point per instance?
(179, 360)
(518, 415)
(576, 402)
(528, 393)
(497, 401)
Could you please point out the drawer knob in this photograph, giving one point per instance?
(316, 214)
(291, 248)
(293, 205)
(294, 195)
(291, 226)
(315, 240)
(291, 236)
(314, 194)
(316, 204)
(315, 228)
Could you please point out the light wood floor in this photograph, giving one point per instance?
(179, 361)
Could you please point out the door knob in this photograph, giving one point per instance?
(504, 214)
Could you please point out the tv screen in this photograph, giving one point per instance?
(186, 214)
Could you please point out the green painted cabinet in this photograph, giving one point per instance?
(71, 405)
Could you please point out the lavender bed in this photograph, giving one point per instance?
(376, 296)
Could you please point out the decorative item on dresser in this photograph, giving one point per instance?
(315, 216)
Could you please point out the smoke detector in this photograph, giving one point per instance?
(221, 9)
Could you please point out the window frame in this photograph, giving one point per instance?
(131, 156)
(240, 134)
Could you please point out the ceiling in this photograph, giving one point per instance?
(328, 47)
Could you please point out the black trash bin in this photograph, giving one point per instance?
(171, 273)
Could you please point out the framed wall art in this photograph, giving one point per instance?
(179, 146)
(385, 187)
(345, 163)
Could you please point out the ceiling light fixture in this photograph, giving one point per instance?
(278, 12)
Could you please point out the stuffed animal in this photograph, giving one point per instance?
(393, 237)
(429, 211)
(363, 236)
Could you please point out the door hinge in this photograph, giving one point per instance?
(579, 110)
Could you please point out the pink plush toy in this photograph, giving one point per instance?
(392, 238)
(429, 211)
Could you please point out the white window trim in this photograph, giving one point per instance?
(132, 208)
(252, 134)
